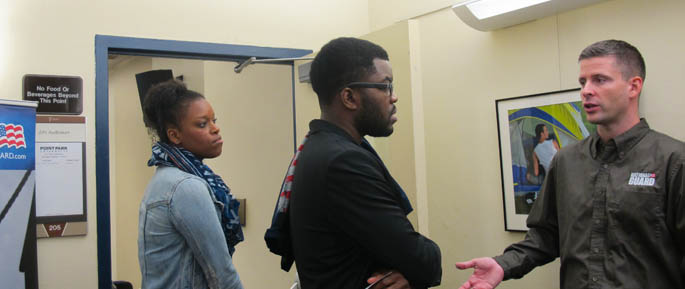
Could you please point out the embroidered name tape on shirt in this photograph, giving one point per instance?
(642, 179)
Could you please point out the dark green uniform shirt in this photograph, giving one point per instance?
(614, 213)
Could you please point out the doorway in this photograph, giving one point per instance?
(257, 118)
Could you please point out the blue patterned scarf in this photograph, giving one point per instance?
(173, 156)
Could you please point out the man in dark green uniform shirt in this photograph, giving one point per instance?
(612, 206)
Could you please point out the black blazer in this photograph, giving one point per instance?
(348, 217)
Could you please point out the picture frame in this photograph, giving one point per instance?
(531, 129)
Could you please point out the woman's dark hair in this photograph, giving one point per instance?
(164, 106)
(538, 132)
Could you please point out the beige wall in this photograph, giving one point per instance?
(254, 111)
(128, 171)
(57, 37)
(306, 104)
(464, 71)
(397, 151)
(192, 71)
(383, 13)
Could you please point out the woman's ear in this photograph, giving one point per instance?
(174, 135)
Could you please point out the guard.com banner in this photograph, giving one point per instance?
(17, 187)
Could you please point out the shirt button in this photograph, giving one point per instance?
(595, 250)
(597, 222)
(594, 279)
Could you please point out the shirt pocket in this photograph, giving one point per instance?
(638, 211)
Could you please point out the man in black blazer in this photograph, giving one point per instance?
(347, 214)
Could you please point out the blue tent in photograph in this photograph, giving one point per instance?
(563, 120)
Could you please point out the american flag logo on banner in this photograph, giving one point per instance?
(12, 136)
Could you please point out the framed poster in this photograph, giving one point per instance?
(531, 130)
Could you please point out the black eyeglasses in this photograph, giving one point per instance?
(385, 86)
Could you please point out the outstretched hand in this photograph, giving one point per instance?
(487, 274)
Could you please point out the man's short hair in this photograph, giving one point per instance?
(627, 56)
(341, 61)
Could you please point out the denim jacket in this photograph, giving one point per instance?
(180, 241)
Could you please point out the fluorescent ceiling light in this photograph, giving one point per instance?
(487, 15)
(483, 9)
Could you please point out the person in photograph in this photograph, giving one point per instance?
(544, 150)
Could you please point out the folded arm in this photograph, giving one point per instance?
(366, 207)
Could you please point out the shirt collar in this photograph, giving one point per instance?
(317, 125)
(624, 142)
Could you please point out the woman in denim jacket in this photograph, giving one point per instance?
(188, 221)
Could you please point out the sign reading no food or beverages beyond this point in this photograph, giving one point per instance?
(54, 94)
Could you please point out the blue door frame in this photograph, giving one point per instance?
(106, 44)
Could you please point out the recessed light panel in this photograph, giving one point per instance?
(488, 8)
